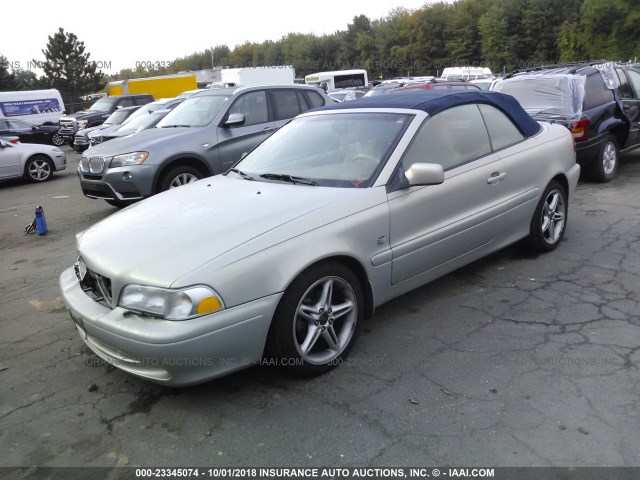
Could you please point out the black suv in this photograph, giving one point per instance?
(598, 101)
(98, 113)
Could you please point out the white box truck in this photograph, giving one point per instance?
(34, 106)
(235, 77)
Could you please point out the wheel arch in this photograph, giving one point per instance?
(44, 156)
(357, 268)
(194, 161)
(562, 180)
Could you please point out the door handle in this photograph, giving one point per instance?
(268, 129)
(496, 177)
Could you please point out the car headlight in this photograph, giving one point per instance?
(171, 304)
(134, 158)
(82, 123)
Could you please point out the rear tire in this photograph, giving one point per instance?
(605, 165)
(179, 176)
(57, 139)
(549, 219)
(317, 320)
(38, 169)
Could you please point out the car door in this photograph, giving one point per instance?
(629, 91)
(234, 141)
(442, 224)
(523, 176)
(9, 161)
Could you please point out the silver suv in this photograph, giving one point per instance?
(203, 136)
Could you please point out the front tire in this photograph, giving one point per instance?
(179, 176)
(38, 169)
(317, 321)
(605, 166)
(549, 219)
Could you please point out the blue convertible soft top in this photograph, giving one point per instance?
(434, 102)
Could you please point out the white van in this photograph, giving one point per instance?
(466, 73)
(338, 79)
(34, 106)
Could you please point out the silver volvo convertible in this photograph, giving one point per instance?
(288, 253)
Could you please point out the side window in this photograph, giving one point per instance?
(634, 77)
(314, 99)
(143, 100)
(458, 87)
(285, 104)
(502, 132)
(595, 92)
(126, 102)
(626, 92)
(4, 125)
(253, 106)
(451, 138)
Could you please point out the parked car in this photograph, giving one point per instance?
(598, 102)
(137, 118)
(30, 133)
(134, 126)
(382, 89)
(204, 135)
(287, 254)
(437, 84)
(345, 94)
(81, 140)
(98, 113)
(32, 161)
(189, 93)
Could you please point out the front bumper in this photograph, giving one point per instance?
(120, 183)
(174, 353)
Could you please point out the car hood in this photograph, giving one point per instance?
(144, 140)
(84, 114)
(161, 239)
(87, 131)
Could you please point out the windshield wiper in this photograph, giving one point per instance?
(289, 178)
(175, 126)
(246, 176)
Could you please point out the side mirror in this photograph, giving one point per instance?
(425, 174)
(324, 86)
(34, 128)
(234, 119)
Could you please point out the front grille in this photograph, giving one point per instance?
(68, 126)
(96, 286)
(80, 140)
(92, 164)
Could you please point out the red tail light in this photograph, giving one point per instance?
(579, 129)
(15, 141)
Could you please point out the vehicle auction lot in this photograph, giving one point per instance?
(515, 360)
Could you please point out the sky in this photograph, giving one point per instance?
(120, 34)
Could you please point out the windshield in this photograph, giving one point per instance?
(141, 123)
(345, 150)
(194, 112)
(117, 117)
(103, 105)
